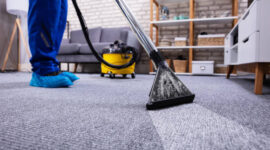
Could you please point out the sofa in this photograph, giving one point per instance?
(75, 50)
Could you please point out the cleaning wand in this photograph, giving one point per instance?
(167, 89)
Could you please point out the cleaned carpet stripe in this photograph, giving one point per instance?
(193, 127)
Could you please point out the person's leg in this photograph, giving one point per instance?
(43, 25)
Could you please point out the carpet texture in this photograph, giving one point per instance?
(100, 113)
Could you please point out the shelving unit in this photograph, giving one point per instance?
(163, 2)
(231, 46)
(234, 47)
(156, 24)
(188, 47)
(166, 23)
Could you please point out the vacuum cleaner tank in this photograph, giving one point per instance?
(117, 54)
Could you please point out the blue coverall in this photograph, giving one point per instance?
(46, 26)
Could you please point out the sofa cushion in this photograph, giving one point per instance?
(69, 49)
(77, 59)
(78, 37)
(65, 41)
(113, 34)
(98, 46)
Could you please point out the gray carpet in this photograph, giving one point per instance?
(100, 113)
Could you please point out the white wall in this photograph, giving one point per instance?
(105, 13)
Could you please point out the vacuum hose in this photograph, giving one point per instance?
(99, 58)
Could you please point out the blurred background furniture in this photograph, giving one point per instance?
(156, 25)
(20, 9)
(247, 45)
(75, 50)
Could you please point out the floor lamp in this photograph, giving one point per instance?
(18, 8)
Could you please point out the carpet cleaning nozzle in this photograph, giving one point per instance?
(167, 89)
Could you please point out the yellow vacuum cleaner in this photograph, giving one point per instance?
(117, 54)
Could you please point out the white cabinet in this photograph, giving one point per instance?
(249, 49)
(227, 51)
(265, 31)
(249, 23)
(249, 41)
(231, 47)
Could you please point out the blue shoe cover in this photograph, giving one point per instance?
(70, 75)
(58, 81)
